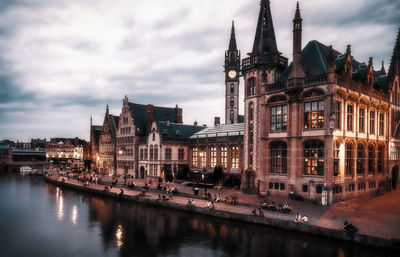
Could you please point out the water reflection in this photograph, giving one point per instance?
(74, 214)
(59, 204)
(113, 228)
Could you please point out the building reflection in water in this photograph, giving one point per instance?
(59, 204)
(74, 214)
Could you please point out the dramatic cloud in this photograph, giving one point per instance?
(63, 61)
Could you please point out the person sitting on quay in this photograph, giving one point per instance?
(121, 193)
(304, 219)
(348, 227)
(190, 203)
(106, 189)
(297, 218)
(159, 186)
(146, 186)
(286, 208)
(260, 212)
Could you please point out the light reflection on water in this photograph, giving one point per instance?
(113, 228)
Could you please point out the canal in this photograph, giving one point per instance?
(40, 219)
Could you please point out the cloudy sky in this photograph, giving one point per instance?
(63, 61)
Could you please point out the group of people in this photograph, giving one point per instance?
(348, 227)
(285, 208)
(210, 205)
(231, 199)
(257, 212)
(301, 219)
(191, 203)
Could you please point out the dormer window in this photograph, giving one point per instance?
(165, 132)
(178, 133)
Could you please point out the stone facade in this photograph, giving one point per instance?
(107, 161)
(321, 126)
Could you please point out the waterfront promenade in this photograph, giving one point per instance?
(382, 211)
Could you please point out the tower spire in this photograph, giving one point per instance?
(264, 41)
(232, 41)
(395, 57)
(383, 71)
(297, 72)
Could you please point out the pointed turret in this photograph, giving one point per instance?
(232, 41)
(297, 71)
(383, 71)
(264, 41)
(395, 57)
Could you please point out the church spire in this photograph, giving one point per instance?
(264, 41)
(232, 41)
(395, 57)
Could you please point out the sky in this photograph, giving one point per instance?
(62, 62)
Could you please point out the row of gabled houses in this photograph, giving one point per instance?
(151, 142)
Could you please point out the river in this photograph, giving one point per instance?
(40, 219)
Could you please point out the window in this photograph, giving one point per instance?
(213, 156)
(381, 124)
(235, 158)
(278, 118)
(232, 102)
(350, 117)
(282, 186)
(168, 153)
(338, 115)
(361, 120)
(380, 159)
(276, 186)
(360, 159)
(278, 157)
(349, 159)
(224, 157)
(336, 151)
(203, 159)
(314, 115)
(151, 152)
(232, 88)
(231, 117)
(251, 87)
(251, 111)
(155, 153)
(314, 158)
(154, 136)
(318, 189)
(372, 122)
(141, 154)
(181, 154)
(145, 154)
(270, 185)
(351, 187)
(371, 159)
(194, 157)
(305, 188)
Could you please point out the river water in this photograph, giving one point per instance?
(40, 219)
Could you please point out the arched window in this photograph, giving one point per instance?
(234, 158)
(371, 159)
(349, 159)
(156, 153)
(213, 157)
(151, 152)
(232, 101)
(314, 158)
(380, 159)
(360, 159)
(251, 86)
(232, 88)
(336, 152)
(224, 157)
(233, 57)
(278, 157)
(251, 111)
(232, 116)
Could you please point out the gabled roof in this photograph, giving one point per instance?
(395, 57)
(139, 116)
(177, 130)
(113, 120)
(221, 131)
(314, 61)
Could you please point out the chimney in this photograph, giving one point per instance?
(149, 116)
(178, 114)
(217, 121)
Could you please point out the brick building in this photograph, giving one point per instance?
(326, 122)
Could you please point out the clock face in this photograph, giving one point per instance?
(232, 74)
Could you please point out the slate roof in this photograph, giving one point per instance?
(138, 112)
(113, 120)
(314, 61)
(240, 118)
(177, 130)
(221, 131)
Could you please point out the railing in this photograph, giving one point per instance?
(276, 87)
(265, 59)
(318, 79)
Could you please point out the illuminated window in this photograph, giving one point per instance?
(314, 115)
(314, 158)
(213, 156)
(224, 157)
(235, 158)
(194, 157)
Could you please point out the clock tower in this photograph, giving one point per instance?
(232, 69)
